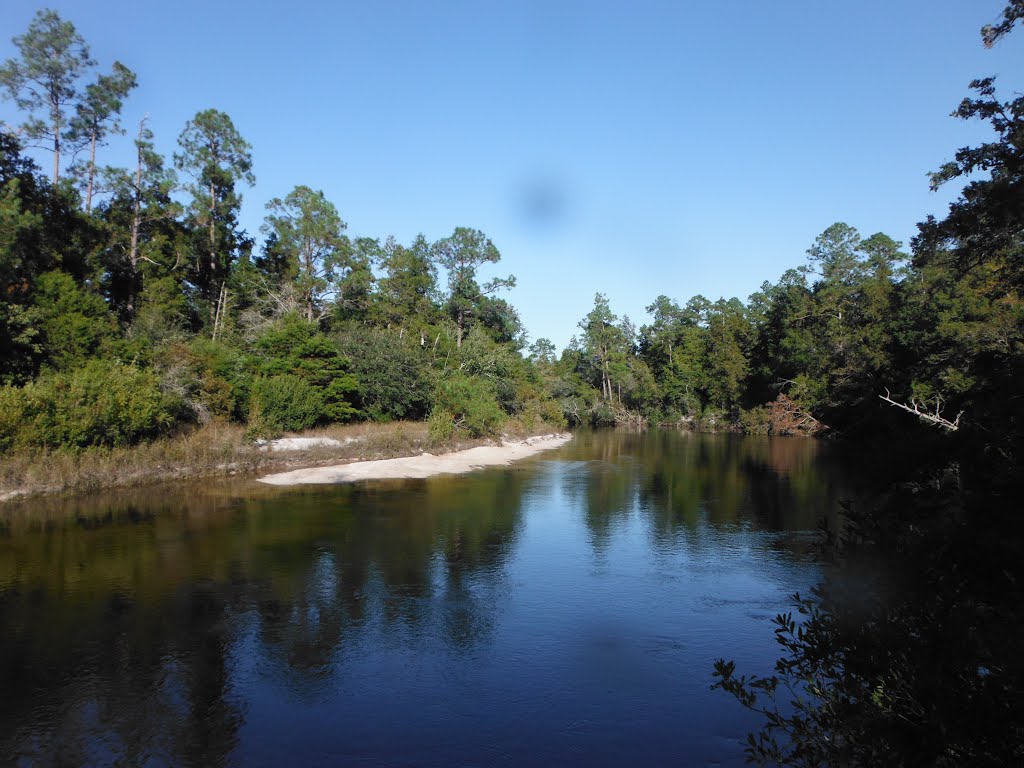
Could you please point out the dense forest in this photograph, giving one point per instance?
(135, 307)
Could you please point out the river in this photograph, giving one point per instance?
(565, 610)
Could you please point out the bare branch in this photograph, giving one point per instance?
(931, 418)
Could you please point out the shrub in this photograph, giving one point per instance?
(75, 322)
(283, 403)
(471, 403)
(393, 373)
(537, 413)
(440, 426)
(295, 347)
(12, 415)
(756, 421)
(208, 376)
(102, 403)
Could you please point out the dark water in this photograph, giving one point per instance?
(566, 610)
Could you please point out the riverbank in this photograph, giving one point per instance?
(217, 450)
(424, 465)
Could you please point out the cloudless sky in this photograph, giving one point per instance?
(631, 148)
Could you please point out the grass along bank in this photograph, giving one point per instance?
(220, 450)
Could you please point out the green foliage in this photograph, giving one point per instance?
(211, 378)
(296, 347)
(307, 239)
(19, 356)
(461, 255)
(392, 370)
(441, 426)
(163, 312)
(406, 293)
(75, 323)
(283, 403)
(101, 403)
(539, 413)
(907, 654)
(471, 402)
(96, 116)
(43, 80)
(216, 157)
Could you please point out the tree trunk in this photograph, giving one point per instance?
(222, 300)
(56, 154)
(213, 233)
(213, 250)
(92, 173)
(133, 245)
(458, 334)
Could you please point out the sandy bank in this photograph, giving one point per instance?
(303, 443)
(424, 465)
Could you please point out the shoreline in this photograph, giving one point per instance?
(421, 466)
(217, 451)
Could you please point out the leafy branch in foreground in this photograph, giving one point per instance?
(799, 731)
(907, 653)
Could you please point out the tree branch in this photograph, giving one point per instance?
(931, 418)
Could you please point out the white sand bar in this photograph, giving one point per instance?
(302, 443)
(424, 465)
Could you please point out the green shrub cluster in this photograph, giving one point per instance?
(393, 372)
(471, 403)
(297, 348)
(101, 403)
(440, 426)
(283, 403)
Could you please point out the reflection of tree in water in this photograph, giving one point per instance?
(683, 481)
(766, 484)
(605, 487)
(151, 679)
(120, 620)
(391, 558)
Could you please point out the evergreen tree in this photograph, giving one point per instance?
(44, 80)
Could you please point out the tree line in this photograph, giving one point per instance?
(140, 281)
(135, 305)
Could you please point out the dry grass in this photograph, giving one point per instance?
(211, 451)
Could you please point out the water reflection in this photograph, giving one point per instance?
(199, 626)
(681, 481)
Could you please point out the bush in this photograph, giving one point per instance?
(440, 426)
(471, 403)
(283, 403)
(12, 416)
(102, 403)
(209, 377)
(295, 347)
(537, 413)
(756, 421)
(75, 323)
(393, 373)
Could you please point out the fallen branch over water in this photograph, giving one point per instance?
(931, 418)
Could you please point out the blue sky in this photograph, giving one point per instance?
(636, 149)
